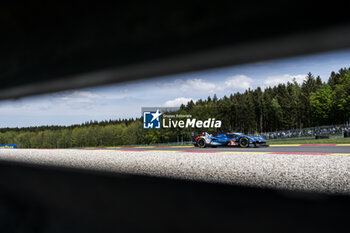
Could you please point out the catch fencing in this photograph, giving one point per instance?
(333, 130)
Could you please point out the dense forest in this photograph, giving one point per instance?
(286, 106)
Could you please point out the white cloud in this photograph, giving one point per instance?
(238, 83)
(198, 84)
(116, 96)
(176, 82)
(177, 102)
(21, 107)
(275, 80)
(77, 97)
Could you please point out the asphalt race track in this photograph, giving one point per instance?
(316, 148)
(322, 168)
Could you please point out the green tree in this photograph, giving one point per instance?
(277, 113)
(309, 86)
(65, 139)
(341, 107)
(321, 103)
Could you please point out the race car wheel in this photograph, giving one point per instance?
(201, 143)
(244, 142)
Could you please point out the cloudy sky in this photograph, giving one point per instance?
(125, 101)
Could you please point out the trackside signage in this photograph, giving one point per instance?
(158, 117)
(8, 146)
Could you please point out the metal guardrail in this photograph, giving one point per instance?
(307, 132)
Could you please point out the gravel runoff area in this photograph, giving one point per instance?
(320, 173)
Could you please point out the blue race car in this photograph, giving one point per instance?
(229, 139)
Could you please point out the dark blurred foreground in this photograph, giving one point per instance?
(48, 199)
(49, 47)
